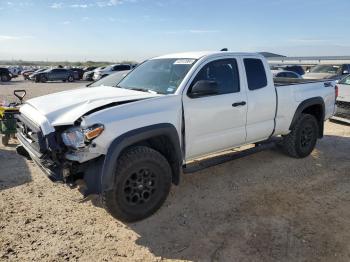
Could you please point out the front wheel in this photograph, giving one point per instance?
(43, 79)
(301, 141)
(142, 183)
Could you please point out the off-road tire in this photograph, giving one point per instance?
(119, 201)
(301, 141)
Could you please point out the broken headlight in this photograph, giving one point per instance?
(77, 137)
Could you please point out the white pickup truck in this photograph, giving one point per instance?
(131, 141)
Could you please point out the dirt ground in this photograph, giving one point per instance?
(264, 207)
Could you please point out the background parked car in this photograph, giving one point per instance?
(295, 68)
(89, 74)
(78, 73)
(333, 71)
(5, 75)
(285, 73)
(111, 80)
(89, 68)
(56, 74)
(35, 72)
(15, 70)
(111, 69)
(27, 73)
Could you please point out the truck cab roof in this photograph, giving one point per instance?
(198, 55)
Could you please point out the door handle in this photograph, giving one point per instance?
(243, 103)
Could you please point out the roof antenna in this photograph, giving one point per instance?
(224, 49)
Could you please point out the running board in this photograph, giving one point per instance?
(341, 119)
(214, 161)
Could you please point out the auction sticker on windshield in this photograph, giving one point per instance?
(184, 62)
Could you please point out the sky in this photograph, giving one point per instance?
(116, 30)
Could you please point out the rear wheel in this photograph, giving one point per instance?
(142, 183)
(4, 78)
(301, 141)
(70, 79)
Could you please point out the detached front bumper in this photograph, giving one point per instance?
(35, 145)
(51, 169)
(55, 161)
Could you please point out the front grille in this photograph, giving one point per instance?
(32, 133)
(343, 109)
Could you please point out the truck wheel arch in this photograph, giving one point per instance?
(137, 137)
(314, 106)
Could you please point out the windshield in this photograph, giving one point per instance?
(162, 76)
(345, 81)
(111, 80)
(331, 69)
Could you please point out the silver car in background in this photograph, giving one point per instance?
(328, 71)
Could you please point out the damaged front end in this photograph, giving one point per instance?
(65, 154)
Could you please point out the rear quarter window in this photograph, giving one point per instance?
(255, 72)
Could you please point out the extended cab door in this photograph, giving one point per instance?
(216, 119)
(262, 103)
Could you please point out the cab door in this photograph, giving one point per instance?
(215, 121)
(262, 100)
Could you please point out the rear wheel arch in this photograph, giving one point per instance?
(161, 137)
(313, 106)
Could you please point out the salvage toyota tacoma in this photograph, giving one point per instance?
(130, 142)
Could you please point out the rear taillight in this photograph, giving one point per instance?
(336, 91)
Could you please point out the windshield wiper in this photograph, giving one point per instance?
(143, 90)
(139, 89)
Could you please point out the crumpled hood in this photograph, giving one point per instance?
(66, 107)
(318, 76)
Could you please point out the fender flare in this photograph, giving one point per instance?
(307, 103)
(132, 137)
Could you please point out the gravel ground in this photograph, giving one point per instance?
(264, 207)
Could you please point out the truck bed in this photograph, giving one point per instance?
(291, 92)
(283, 81)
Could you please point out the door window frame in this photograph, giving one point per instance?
(200, 67)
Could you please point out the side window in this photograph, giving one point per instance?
(255, 72)
(291, 75)
(223, 72)
(282, 74)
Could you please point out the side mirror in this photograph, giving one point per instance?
(204, 88)
(345, 72)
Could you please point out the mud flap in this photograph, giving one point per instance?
(92, 177)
